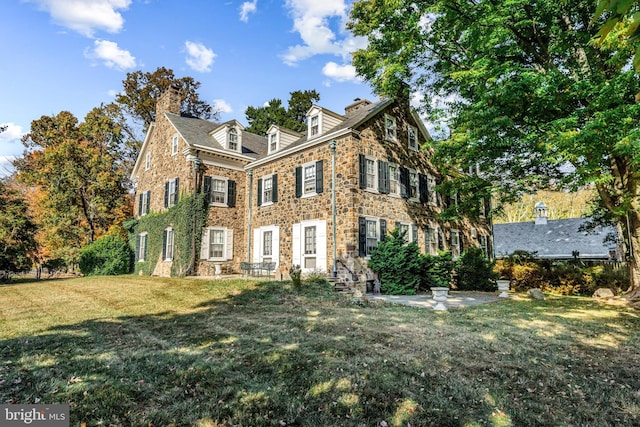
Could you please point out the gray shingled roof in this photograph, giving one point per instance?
(196, 131)
(556, 239)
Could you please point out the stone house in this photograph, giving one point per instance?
(321, 200)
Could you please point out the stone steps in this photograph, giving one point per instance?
(339, 286)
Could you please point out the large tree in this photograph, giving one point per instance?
(141, 90)
(17, 231)
(78, 172)
(528, 95)
(274, 113)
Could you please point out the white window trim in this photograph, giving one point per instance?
(417, 182)
(431, 188)
(319, 116)
(258, 248)
(415, 132)
(226, 191)
(142, 248)
(238, 144)
(321, 244)
(174, 144)
(145, 203)
(264, 180)
(276, 135)
(315, 174)
(170, 243)
(378, 233)
(374, 187)
(451, 245)
(483, 238)
(227, 252)
(409, 237)
(386, 129)
(147, 161)
(398, 192)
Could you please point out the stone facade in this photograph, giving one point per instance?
(283, 209)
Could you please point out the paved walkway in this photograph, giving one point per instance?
(455, 300)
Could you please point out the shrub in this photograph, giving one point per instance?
(296, 276)
(398, 264)
(474, 272)
(437, 271)
(316, 276)
(109, 255)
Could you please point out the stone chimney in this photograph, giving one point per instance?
(541, 213)
(169, 102)
(355, 106)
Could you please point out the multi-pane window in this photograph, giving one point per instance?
(315, 125)
(147, 161)
(372, 236)
(168, 245)
(394, 179)
(455, 243)
(431, 239)
(142, 246)
(218, 191)
(309, 175)
(310, 249)
(233, 139)
(267, 244)
(413, 137)
(267, 190)
(174, 145)
(273, 142)
(144, 203)
(370, 173)
(483, 239)
(216, 243)
(431, 187)
(413, 184)
(172, 191)
(390, 127)
(405, 230)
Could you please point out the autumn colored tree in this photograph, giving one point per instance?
(17, 231)
(274, 113)
(77, 168)
(528, 96)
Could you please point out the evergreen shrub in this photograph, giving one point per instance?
(398, 264)
(109, 255)
(474, 272)
(437, 270)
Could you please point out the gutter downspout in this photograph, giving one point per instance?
(194, 254)
(332, 145)
(250, 172)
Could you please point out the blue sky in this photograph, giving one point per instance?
(73, 54)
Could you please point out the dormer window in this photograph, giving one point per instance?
(273, 142)
(233, 139)
(314, 125)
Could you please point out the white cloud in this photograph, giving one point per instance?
(199, 57)
(247, 8)
(312, 20)
(112, 55)
(86, 16)
(6, 165)
(13, 133)
(222, 106)
(340, 73)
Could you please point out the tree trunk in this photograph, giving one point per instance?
(633, 293)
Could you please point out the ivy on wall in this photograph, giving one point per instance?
(187, 219)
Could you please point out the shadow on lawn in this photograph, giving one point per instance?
(272, 356)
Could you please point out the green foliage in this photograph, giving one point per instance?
(141, 91)
(398, 264)
(107, 256)
(437, 270)
(17, 231)
(474, 272)
(296, 273)
(187, 219)
(274, 113)
(315, 276)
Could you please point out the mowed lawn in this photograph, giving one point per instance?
(139, 351)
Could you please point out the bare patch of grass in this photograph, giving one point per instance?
(147, 351)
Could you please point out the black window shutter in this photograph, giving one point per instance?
(487, 206)
(319, 177)
(383, 230)
(164, 245)
(231, 193)
(148, 202)
(438, 196)
(423, 188)
(260, 192)
(175, 196)
(440, 240)
(362, 171)
(299, 181)
(146, 247)
(414, 233)
(208, 182)
(383, 177)
(137, 257)
(461, 242)
(362, 236)
(274, 188)
(140, 204)
(404, 182)
(166, 194)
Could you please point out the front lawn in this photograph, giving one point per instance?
(139, 351)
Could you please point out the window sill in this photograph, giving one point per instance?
(219, 205)
(266, 204)
(305, 196)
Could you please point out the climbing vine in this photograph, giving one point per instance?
(187, 219)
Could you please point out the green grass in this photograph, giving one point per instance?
(136, 351)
